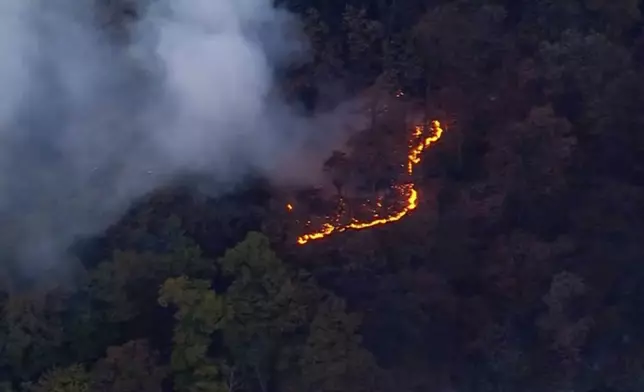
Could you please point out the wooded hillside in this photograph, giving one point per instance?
(519, 270)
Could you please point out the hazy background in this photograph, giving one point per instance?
(87, 124)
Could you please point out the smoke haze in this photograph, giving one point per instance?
(87, 125)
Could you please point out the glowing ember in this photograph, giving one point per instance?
(408, 194)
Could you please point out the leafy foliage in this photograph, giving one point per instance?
(519, 271)
(199, 314)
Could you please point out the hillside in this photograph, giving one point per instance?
(506, 260)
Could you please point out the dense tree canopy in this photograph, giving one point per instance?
(519, 271)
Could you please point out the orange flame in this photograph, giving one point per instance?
(407, 192)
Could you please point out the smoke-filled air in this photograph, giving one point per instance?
(90, 122)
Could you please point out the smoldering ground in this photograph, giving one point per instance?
(87, 124)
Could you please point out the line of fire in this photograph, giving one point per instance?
(399, 200)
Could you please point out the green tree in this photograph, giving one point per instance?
(71, 379)
(333, 358)
(132, 367)
(264, 306)
(124, 287)
(34, 331)
(199, 313)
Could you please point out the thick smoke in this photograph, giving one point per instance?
(88, 125)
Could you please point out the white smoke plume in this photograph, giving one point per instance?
(88, 125)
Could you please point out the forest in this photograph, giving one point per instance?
(516, 272)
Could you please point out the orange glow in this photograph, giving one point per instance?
(408, 195)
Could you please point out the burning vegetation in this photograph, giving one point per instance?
(380, 213)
